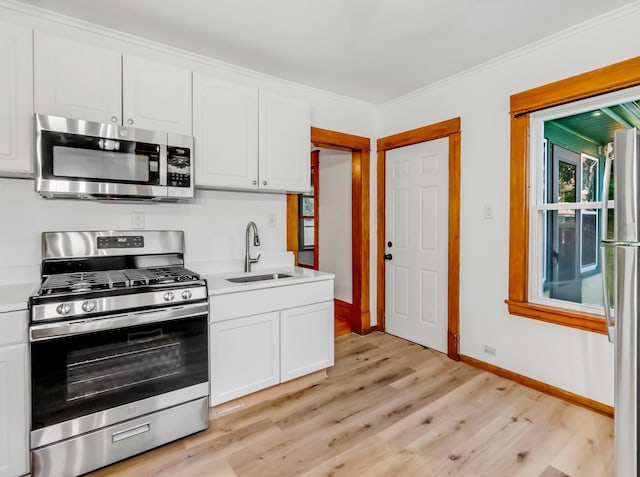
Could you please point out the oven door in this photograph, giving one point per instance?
(91, 373)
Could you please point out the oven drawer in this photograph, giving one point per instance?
(102, 447)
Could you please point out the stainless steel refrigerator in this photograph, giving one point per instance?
(623, 325)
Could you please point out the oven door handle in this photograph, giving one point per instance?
(69, 328)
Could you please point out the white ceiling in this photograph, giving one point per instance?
(374, 50)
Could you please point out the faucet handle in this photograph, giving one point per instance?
(255, 260)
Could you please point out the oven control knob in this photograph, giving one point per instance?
(169, 296)
(186, 294)
(88, 306)
(63, 309)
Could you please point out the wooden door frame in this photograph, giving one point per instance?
(360, 148)
(451, 130)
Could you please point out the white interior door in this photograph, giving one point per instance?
(416, 237)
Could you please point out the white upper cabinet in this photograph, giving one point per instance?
(77, 80)
(16, 101)
(225, 127)
(249, 140)
(156, 96)
(285, 143)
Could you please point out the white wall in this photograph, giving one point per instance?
(335, 220)
(214, 223)
(574, 360)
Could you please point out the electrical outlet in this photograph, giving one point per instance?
(137, 220)
(490, 350)
(271, 222)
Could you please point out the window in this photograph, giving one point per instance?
(569, 143)
(308, 219)
(307, 226)
(556, 180)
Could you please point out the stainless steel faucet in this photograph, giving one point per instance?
(256, 242)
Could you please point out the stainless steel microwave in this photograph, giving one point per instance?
(88, 160)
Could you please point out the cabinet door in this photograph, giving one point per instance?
(77, 80)
(14, 444)
(225, 127)
(284, 144)
(306, 340)
(156, 96)
(244, 355)
(16, 101)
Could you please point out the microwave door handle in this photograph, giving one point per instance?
(163, 165)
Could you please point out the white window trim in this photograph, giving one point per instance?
(594, 265)
(536, 198)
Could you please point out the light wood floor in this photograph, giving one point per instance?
(394, 408)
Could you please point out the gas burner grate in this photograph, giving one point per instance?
(83, 281)
(78, 282)
(167, 274)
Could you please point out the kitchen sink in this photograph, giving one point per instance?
(259, 278)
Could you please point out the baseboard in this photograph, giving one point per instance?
(343, 310)
(343, 313)
(268, 394)
(540, 386)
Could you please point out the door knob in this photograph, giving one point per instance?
(388, 256)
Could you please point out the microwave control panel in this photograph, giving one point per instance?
(179, 168)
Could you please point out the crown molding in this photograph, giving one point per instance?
(531, 47)
(204, 60)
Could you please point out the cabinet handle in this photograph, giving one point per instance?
(264, 182)
(129, 121)
(254, 182)
(114, 119)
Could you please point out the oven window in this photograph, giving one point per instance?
(82, 374)
(144, 357)
(99, 164)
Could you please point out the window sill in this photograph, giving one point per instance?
(558, 316)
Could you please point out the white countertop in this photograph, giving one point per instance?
(219, 285)
(16, 297)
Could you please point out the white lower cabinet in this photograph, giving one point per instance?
(263, 337)
(244, 356)
(14, 421)
(306, 340)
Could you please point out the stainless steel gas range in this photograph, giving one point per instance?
(119, 349)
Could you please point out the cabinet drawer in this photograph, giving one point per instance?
(234, 305)
(14, 328)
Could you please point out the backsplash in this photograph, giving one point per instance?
(214, 225)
